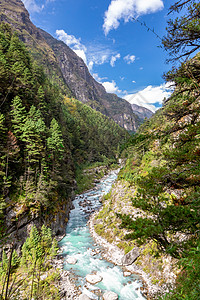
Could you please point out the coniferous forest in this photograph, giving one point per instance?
(48, 142)
(45, 138)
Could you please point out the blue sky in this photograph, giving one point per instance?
(119, 52)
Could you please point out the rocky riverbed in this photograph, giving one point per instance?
(84, 273)
(158, 273)
(115, 255)
(81, 257)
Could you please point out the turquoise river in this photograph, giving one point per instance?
(79, 244)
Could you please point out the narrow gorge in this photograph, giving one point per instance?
(99, 196)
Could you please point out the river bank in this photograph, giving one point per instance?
(68, 289)
(157, 273)
(113, 254)
(79, 246)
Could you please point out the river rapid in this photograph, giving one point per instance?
(79, 244)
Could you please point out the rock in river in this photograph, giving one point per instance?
(71, 260)
(126, 274)
(83, 297)
(110, 296)
(93, 279)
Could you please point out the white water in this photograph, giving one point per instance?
(78, 243)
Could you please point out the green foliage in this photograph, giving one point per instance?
(55, 141)
(99, 228)
(33, 136)
(183, 32)
(94, 136)
(188, 281)
(45, 137)
(38, 248)
(18, 113)
(169, 161)
(163, 167)
(26, 270)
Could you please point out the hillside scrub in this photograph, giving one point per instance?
(163, 166)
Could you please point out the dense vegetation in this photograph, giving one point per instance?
(163, 163)
(46, 140)
(44, 136)
(161, 177)
(182, 37)
(31, 274)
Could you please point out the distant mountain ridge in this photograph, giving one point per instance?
(142, 112)
(66, 68)
(86, 89)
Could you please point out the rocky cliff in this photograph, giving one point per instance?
(65, 67)
(14, 13)
(86, 89)
(141, 112)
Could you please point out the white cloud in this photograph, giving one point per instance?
(70, 40)
(149, 96)
(114, 58)
(133, 81)
(90, 65)
(99, 54)
(32, 6)
(73, 43)
(129, 59)
(94, 55)
(97, 78)
(111, 87)
(126, 9)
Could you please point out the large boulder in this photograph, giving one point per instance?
(93, 279)
(110, 296)
(126, 274)
(83, 297)
(71, 260)
(130, 257)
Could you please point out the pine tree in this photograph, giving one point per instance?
(55, 144)
(183, 33)
(41, 99)
(18, 114)
(34, 130)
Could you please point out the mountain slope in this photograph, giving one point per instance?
(141, 112)
(44, 138)
(65, 67)
(14, 13)
(155, 204)
(87, 89)
(163, 166)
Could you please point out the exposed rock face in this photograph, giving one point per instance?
(67, 69)
(86, 89)
(110, 296)
(130, 257)
(14, 13)
(19, 231)
(141, 112)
